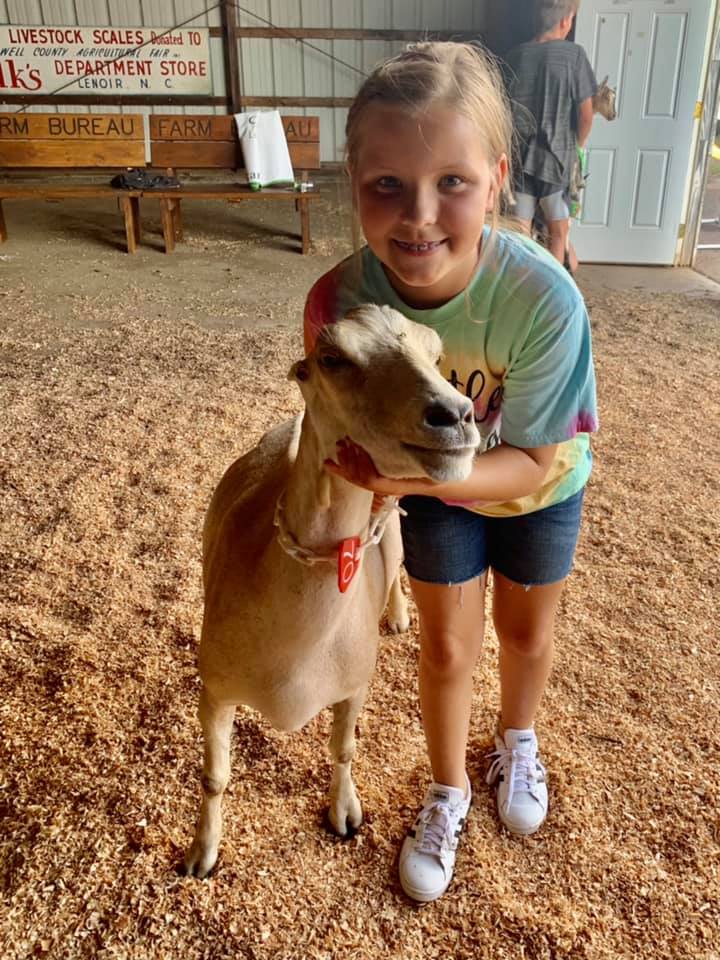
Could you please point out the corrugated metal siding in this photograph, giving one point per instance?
(273, 68)
(131, 13)
(291, 68)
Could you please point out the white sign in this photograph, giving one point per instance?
(96, 60)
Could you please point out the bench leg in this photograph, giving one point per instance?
(168, 226)
(177, 221)
(304, 223)
(130, 225)
(3, 228)
(135, 204)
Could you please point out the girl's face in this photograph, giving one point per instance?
(422, 186)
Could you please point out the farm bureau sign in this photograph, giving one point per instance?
(97, 60)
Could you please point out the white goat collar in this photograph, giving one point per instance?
(347, 555)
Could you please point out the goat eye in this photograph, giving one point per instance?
(333, 361)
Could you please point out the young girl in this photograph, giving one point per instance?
(428, 138)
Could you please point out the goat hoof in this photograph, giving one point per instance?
(399, 624)
(350, 831)
(199, 862)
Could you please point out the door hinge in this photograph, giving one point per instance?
(681, 232)
(698, 112)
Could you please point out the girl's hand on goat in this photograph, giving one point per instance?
(355, 465)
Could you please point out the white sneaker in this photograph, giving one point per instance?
(427, 858)
(522, 797)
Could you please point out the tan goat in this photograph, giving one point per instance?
(278, 634)
(603, 100)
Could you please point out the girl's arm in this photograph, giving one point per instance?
(503, 473)
(584, 121)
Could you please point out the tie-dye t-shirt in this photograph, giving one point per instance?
(516, 341)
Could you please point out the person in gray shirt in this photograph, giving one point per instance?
(550, 84)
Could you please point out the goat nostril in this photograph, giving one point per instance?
(440, 415)
(467, 410)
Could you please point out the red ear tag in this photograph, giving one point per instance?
(348, 562)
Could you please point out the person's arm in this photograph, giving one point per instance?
(503, 473)
(584, 121)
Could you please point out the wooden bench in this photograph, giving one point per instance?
(52, 141)
(209, 142)
(168, 142)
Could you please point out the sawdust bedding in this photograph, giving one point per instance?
(111, 441)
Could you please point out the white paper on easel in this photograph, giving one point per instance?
(265, 149)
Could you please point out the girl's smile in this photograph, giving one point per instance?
(419, 249)
(422, 186)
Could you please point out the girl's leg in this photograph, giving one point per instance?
(451, 633)
(443, 545)
(524, 621)
(537, 547)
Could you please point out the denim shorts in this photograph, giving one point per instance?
(452, 545)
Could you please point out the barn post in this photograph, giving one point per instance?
(230, 55)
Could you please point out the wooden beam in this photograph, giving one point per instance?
(296, 101)
(149, 101)
(230, 55)
(341, 33)
(115, 100)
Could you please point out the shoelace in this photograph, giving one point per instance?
(522, 774)
(437, 829)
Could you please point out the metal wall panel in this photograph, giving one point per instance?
(434, 16)
(151, 13)
(93, 12)
(334, 68)
(317, 13)
(273, 68)
(256, 56)
(58, 11)
(20, 10)
(376, 15)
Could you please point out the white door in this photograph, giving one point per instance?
(652, 50)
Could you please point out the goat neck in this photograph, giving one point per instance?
(321, 509)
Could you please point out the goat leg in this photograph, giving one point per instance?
(391, 550)
(398, 616)
(217, 723)
(345, 813)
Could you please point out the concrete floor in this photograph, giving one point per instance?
(38, 247)
(703, 280)
(598, 277)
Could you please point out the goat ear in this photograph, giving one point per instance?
(299, 371)
(604, 83)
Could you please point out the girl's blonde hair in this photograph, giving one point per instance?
(462, 76)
